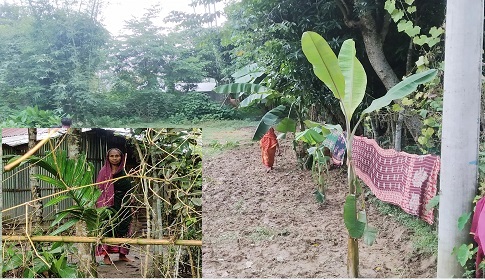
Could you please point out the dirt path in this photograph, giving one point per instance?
(269, 225)
(121, 269)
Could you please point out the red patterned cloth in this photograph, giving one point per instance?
(406, 180)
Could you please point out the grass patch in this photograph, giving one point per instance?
(221, 136)
(212, 125)
(239, 206)
(262, 233)
(425, 236)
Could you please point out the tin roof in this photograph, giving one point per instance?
(19, 136)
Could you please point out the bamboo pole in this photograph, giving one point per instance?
(31, 151)
(106, 240)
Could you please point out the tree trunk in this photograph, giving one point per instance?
(373, 41)
(34, 183)
(461, 119)
(85, 251)
(398, 132)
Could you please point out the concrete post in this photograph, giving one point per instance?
(461, 120)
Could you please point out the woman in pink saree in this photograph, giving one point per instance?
(115, 195)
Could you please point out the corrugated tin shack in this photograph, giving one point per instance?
(15, 184)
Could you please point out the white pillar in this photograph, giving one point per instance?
(461, 120)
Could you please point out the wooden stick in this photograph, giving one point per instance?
(106, 240)
(31, 151)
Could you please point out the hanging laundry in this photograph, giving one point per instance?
(338, 153)
(331, 139)
(478, 231)
(406, 180)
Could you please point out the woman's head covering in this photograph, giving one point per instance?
(107, 188)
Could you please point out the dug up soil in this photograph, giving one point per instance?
(269, 225)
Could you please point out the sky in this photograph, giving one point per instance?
(117, 11)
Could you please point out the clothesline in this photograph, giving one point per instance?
(400, 178)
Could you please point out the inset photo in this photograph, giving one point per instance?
(101, 202)
(276, 205)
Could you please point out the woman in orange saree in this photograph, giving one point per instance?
(269, 145)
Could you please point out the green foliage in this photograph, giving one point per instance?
(325, 64)
(402, 89)
(179, 164)
(198, 106)
(52, 56)
(286, 125)
(463, 220)
(75, 178)
(346, 78)
(319, 196)
(248, 73)
(313, 136)
(269, 119)
(51, 262)
(370, 235)
(426, 104)
(464, 253)
(355, 78)
(400, 15)
(355, 226)
(32, 117)
(241, 88)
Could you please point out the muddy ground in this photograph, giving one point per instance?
(258, 224)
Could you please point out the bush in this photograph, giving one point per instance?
(32, 117)
(198, 106)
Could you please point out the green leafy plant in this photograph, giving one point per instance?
(74, 177)
(346, 78)
(49, 261)
(32, 117)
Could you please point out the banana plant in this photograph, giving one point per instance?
(245, 86)
(346, 78)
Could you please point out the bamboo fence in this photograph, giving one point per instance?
(104, 240)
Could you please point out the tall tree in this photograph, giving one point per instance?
(52, 57)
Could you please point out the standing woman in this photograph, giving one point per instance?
(269, 145)
(115, 195)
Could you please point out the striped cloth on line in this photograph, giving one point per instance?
(406, 180)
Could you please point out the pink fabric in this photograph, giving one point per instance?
(478, 231)
(104, 249)
(406, 180)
